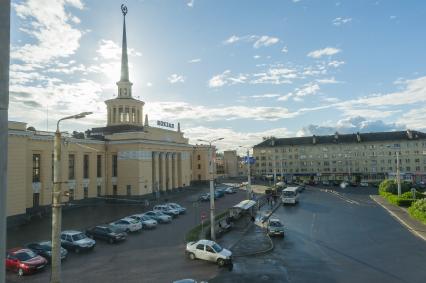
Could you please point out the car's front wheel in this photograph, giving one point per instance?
(221, 262)
(20, 272)
(191, 256)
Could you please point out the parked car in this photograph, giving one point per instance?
(127, 224)
(178, 207)
(107, 233)
(275, 227)
(335, 183)
(205, 197)
(159, 216)
(354, 184)
(344, 184)
(325, 183)
(76, 241)
(24, 261)
(146, 221)
(363, 184)
(219, 193)
(300, 188)
(44, 249)
(210, 251)
(230, 190)
(166, 210)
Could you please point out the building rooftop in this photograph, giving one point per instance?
(344, 138)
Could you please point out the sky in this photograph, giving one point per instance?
(240, 69)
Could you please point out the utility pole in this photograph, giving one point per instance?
(211, 178)
(248, 175)
(4, 106)
(55, 276)
(398, 174)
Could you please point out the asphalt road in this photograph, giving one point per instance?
(338, 235)
(149, 256)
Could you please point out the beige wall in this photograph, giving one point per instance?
(136, 164)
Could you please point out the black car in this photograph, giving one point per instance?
(107, 233)
(45, 250)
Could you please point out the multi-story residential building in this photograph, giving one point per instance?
(127, 157)
(352, 157)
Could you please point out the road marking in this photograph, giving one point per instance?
(342, 197)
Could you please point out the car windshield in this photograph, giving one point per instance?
(217, 248)
(275, 224)
(112, 229)
(47, 244)
(23, 256)
(288, 193)
(78, 237)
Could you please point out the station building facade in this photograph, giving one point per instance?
(127, 157)
(351, 157)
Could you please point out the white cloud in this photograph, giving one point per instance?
(328, 51)
(341, 21)
(414, 119)
(414, 91)
(232, 139)
(195, 60)
(190, 3)
(265, 41)
(52, 30)
(336, 63)
(110, 50)
(266, 95)
(284, 49)
(330, 80)
(175, 78)
(256, 57)
(258, 40)
(349, 126)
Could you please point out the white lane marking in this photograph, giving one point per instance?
(342, 197)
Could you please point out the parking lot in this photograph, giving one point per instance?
(148, 256)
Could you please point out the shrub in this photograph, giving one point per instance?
(391, 186)
(418, 210)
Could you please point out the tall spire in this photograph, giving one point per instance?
(124, 60)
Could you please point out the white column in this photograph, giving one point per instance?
(155, 171)
(175, 172)
(169, 171)
(179, 169)
(162, 175)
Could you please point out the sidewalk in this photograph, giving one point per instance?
(402, 215)
(247, 238)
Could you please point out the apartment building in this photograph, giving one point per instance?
(352, 157)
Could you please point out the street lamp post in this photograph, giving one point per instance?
(212, 222)
(56, 201)
(248, 173)
(398, 174)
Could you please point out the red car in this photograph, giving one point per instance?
(24, 261)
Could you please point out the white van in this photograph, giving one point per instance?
(290, 195)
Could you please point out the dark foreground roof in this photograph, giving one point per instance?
(346, 138)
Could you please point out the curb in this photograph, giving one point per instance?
(400, 220)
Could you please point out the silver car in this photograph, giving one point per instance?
(146, 221)
(158, 216)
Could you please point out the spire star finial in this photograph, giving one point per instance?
(124, 9)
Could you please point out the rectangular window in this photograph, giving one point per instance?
(71, 195)
(99, 166)
(71, 167)
(199, 177)
(129, 190)
(199, 166)
(86, 166)
(36, 168)
(114, 165)
(99, 190)
(114, 190)
(199, 157)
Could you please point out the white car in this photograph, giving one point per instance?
(166, 210)
(158, 216)
(146, 221)
(127, 224)
(363, 184)
(210, 251)
(178, 207)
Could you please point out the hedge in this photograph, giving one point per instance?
(418, 210)
(194, 234)
(388, 189)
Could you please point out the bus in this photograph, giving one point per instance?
(290, 195)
